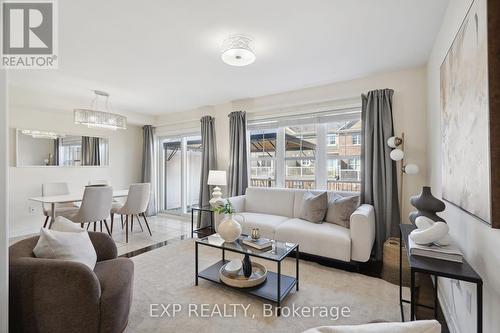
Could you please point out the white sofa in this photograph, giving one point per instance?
(276, 213)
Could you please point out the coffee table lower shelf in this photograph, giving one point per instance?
(267, 290)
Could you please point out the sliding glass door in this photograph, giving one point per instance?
(180, 184)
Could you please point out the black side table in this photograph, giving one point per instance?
(201, 210)
(448, 269)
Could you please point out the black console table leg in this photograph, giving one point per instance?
(412, 292)
(278, 310)
(297, 269)
(195, 264)
(436, 297)
(192, 222)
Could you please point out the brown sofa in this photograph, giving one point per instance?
(50, 295)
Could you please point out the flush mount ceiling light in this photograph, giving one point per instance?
(237, 51)
(96, 118)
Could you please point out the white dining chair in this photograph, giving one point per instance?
(97, 182)
(135, 205)
(95, 207)
(63, 209)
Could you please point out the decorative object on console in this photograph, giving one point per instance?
(217, 177)
(398, 155)
(427, 205)
(247, 266)
(430, 232)
(237, 51)
(229, 229)
(443, 252)
(470, 114)
(99, 118)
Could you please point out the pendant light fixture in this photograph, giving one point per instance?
(95, 118)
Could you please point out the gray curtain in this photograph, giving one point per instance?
(148, 166)
(379, 178)
(90, 151)
(238, 168)
(57, 143)
(208, 162)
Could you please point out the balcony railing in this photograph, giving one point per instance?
(332, 185)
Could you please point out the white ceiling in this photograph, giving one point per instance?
(161, 56)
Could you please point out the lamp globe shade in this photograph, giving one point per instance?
(391, 142)
(397, 154)
(411, 169)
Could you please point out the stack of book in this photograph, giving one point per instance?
(448, 252)
(259, 244)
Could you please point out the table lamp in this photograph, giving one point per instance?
(217, 177)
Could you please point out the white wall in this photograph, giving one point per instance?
(479, 242)
(4, 199)
(125, 155)
(409, 113)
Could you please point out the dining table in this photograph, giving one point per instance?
(53, 200)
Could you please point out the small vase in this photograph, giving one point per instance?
(229, 229)
(247, 266)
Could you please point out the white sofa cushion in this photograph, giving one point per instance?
(325, 239)
(271, 201)
(265, 222)
(71, 246)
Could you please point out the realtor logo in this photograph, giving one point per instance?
(29, 34)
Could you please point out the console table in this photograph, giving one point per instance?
(201, 210)
(448, 269)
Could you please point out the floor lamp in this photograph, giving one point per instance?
(398, 155)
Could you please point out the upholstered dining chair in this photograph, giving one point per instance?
(64, 209)
(135, 205)
(59, 296)
(95, 207)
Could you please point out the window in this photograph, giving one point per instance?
(180, 181)
(300, 156)
(308, 152)
(356, 139)
(263, 158)
(332, 139)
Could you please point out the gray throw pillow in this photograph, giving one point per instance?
(314, 207)
(340, 209)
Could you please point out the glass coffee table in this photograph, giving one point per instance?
(277, 285)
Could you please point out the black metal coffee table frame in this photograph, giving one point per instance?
(277, 285)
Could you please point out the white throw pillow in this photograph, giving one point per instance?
(63, 224)
(72, 246)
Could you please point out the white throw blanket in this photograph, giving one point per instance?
(419, 326)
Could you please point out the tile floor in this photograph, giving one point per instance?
(163, 227)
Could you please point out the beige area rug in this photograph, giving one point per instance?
(166, 276)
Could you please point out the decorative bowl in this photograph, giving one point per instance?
(259, 275)
(232, 267)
